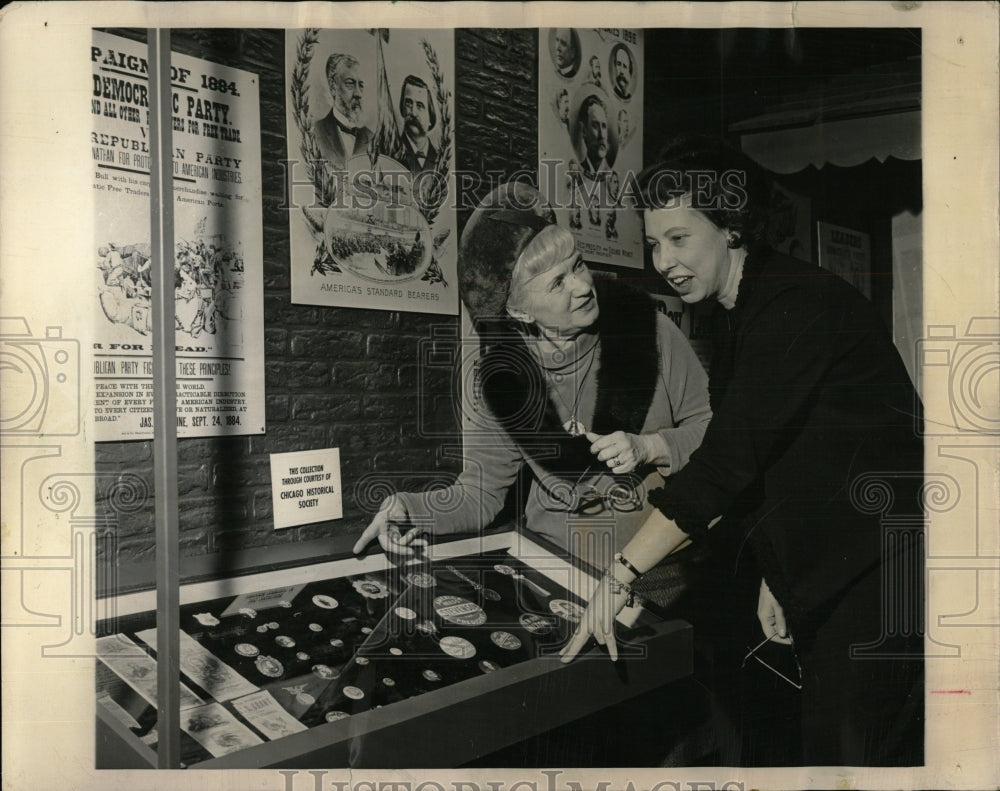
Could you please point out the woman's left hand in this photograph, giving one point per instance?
(620, 451)
(598, 621)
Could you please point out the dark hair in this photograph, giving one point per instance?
(725, 185)
(590, 101)
(413, 79)
(622, 48)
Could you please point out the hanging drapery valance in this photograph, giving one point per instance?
(853, 119)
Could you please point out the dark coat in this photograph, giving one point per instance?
(811, 406)
(409, 158)
(331, 145)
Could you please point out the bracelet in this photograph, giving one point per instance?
(617, 587)
(624, 561)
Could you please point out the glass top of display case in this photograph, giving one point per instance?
(274, 654)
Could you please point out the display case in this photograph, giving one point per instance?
(430, 661)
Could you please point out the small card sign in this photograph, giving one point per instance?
(263, 600)
(305, 487)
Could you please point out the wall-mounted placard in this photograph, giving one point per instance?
(305, 487)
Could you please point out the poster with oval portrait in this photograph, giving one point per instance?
(371, 148)
(590, 137)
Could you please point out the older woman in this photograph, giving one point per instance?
(582, 381)
(811, 404)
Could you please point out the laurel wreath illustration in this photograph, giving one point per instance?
(385, 141)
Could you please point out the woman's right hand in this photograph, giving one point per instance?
(620, 451)
(385, 527)
(772, 616)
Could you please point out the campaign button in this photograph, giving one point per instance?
(536, 624)
(269, 666)
(570, 611)
(457, 647)
(506, 640)
(324, 672)
(460, 611)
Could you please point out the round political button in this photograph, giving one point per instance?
(388, 682)
(506, 640)
(336, 642)
(262, 628)
(272, 625)
(354, 693)
(490, 594)
(457, 647)
(431, 675)
(333, 716)
(324, 671)
(315, 627)
(249, 612)
(536, 624)
(326, 602)
(570, 611)
(284, 641)
(421, 579)
(362, 660)
(371, 589)
(206, 619)
(406, 613)
(302, 656)
(305, 698)
(459, 610)
(487, 666)
(269, 666)
(285, 603)
(366, 630)
(396, 651)
(245, 649)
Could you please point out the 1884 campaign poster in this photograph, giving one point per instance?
(370, 171)
(218, 245)
(590, 137)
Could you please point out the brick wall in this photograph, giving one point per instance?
(334, 377)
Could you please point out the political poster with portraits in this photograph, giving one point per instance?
(218, 235)
(590, 137)
(370, 174)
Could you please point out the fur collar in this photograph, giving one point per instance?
(516, 391)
